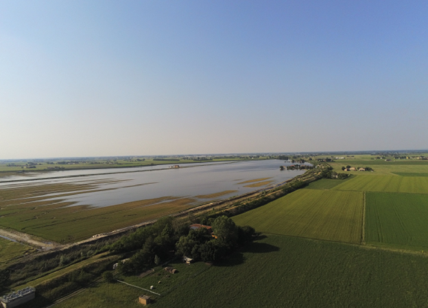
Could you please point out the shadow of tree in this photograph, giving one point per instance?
(237, 257)
(256, 247)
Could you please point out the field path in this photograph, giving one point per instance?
(26, 238)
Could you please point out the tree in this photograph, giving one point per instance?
(245, 234)
(208, 251)
(225, 230)
(108, 276)
(185, 245)
(157, 260)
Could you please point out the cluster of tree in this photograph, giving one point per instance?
(166, 159)
(282, 157)
(327, 172)
(265, 199)
(19, 273)
(200, 244)
(340, 176)
(158, 242)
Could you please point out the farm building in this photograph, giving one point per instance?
(17, 298)
(144, 299)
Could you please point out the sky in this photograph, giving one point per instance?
(109, 78)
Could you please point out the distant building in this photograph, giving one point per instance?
(17, 298)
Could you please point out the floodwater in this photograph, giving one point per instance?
(133, 184)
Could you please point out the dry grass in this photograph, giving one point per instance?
(215, 195)
(259, 184)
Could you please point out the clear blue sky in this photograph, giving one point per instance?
(100, 78)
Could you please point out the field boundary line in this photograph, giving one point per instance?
(131, 285)
(363, 225)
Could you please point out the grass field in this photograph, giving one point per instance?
(62, 224)
(321, 214)
(325, 184)
(282, 271)
(411, 174)
(383, 167)
(27, 208)
(65, 270)
(384, 183)
(397, 220)
(11, 251)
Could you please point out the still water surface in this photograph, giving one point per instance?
(191, 180)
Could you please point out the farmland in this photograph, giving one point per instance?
(282, 271)
(325, 184)
(397, 220)
(321, 214)
(384, 183)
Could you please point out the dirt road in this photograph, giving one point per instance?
(28, 239)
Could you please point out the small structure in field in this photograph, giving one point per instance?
(144, 299)
(187, 260)
(170, 270)
(17, 298)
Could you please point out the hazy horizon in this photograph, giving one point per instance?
(109, 78)
(224, 154)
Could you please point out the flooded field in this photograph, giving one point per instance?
(68, 206)
(107, 187)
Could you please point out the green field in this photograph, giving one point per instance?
(320, 214)
(325, 184)
(411, 174)
(282, 271)
(385, 183)
(397, 220)
(11, 251)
